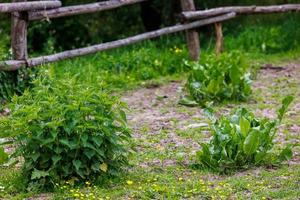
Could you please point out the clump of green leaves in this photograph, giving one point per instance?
(219, 78)
(65, 130)
(242, 141)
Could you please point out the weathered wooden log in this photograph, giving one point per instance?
(219, 38)
(28, 6)
(19, 22)
(191, 35)
(80, 9)
(192, 15)
(13, 64)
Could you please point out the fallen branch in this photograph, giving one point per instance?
(28, 6)
(192, 15)
(80, 9)
(14, 65)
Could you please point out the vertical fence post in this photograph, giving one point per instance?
(19, 21)
(192, 35)
(219, 38)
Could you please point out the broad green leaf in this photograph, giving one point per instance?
(187, 101)
(104, 167)
(286, 154)
(213, 86)
(37, 174)
(209, 113)
(260, 157)
(251, 142)
(234, 74)
(285, 104)
(3, 156)
(123, 115)
(244, 126)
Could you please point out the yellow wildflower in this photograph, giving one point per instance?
(129, 182)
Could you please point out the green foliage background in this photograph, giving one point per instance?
(267, 34)
(76, 31)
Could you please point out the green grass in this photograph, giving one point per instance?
(148, 65)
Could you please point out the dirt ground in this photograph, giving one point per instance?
(156, 109)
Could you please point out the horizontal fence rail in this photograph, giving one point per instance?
(193, 15)
(80, 9)
(28, 6)
(16, 64)
(23, 11)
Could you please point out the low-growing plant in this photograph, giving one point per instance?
(242, 141)
(65, 130)
(219, 78)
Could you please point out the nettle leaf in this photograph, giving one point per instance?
(56, 159)
(104, 167)
(244, 126)
(77, 164)
(35, 156)
(3, 156)
(89, 153)
(64, 129)
(38, 174)
(251, 142)
(285, 104)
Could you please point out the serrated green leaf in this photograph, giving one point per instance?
(104, 167)
(38, 174)
(89, 153)
(56, 159)
(77, 164)
(35, 156)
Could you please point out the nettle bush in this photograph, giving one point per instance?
(65, 130)
(219, 78)
(242, 140)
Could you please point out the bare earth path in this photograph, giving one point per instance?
(159, 122)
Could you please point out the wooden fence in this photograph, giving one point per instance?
(23, 11)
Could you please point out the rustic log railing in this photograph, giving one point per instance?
(239, 10)
(16, 64)
(28, 6)
(192, 15)
(80, 9)
(24, 11)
